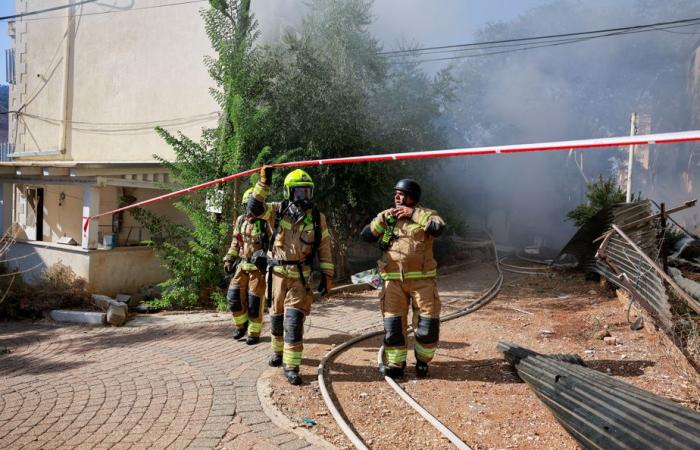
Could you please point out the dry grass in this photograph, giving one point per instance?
(57, 287)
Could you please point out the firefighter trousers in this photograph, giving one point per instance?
(245, 297)
(421, 295)
(291, 303)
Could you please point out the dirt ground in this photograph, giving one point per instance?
(471, 389)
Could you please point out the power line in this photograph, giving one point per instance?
(488, 46)
(98, 13)
(693, 21)
(112, 128)
(530, 46)
(40, 11)
(145, 123)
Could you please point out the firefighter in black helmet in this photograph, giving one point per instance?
(246, 291)
(405, 234)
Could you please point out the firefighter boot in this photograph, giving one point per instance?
(275, 360)
(241, 330)
(391, 371)
(292, 376)
(252, 340)
(421, 369)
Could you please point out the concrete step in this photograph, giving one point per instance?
(82, 317)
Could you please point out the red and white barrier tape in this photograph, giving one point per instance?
(661, 138)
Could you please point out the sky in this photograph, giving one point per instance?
(7, 7)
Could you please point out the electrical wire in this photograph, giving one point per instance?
(41, 11)
(45, 77)
(521, 47)
(29, 269)
(529, 45)
(7, 291)
(126, 127)
(99, 13)
(117, 124)
(686, 22)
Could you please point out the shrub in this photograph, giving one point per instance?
(602, 194)
(57, 287)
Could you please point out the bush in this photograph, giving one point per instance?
(176, 296)
(602, 194)
(58, 287)
(219, 300)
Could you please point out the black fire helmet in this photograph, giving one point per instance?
(409, 187)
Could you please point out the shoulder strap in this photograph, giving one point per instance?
(316, 217)
(276, 223)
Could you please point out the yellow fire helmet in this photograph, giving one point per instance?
(246, 194)
(298, 179)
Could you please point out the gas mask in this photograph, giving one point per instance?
(299, 202)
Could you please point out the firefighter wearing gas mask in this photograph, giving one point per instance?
(299, 235)
(405, 235)
(246, 291)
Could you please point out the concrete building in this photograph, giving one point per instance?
(90, 83)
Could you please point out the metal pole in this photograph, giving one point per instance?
(664, 255)
(66, 87)
(630, 161)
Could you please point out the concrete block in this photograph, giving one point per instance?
(83, 317)
(117, 314)
(136, 300)
(123, 298)
(102, 301)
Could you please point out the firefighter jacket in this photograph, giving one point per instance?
(293, 242)
(410, 253)
(249, 236)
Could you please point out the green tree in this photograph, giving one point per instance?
(192, 253)
(602, 194)
(333, 96)
(323, 92)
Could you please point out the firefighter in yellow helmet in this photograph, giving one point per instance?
(405, 234)
(246, 292)
(299, 235)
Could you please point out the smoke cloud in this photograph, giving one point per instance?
(584, 90)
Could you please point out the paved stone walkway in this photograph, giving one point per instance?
(155, 384)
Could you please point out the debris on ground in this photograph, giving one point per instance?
(469, 371)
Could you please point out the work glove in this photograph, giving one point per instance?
(266, 175)
(230, 266)
(402, 212)
(325, 285)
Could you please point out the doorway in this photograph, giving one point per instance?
(32, 213)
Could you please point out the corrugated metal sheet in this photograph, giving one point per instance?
(601, 412)
(581, 244)
(618, 257)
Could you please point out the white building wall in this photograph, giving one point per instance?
(129, 70)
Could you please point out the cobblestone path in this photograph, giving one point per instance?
(148, 385)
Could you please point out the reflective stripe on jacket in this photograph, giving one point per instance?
(410, 255)
(247, 239)
(294, 240)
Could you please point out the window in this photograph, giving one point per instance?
(10, 66)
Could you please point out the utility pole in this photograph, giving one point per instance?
(630, 161)
(66, 88)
